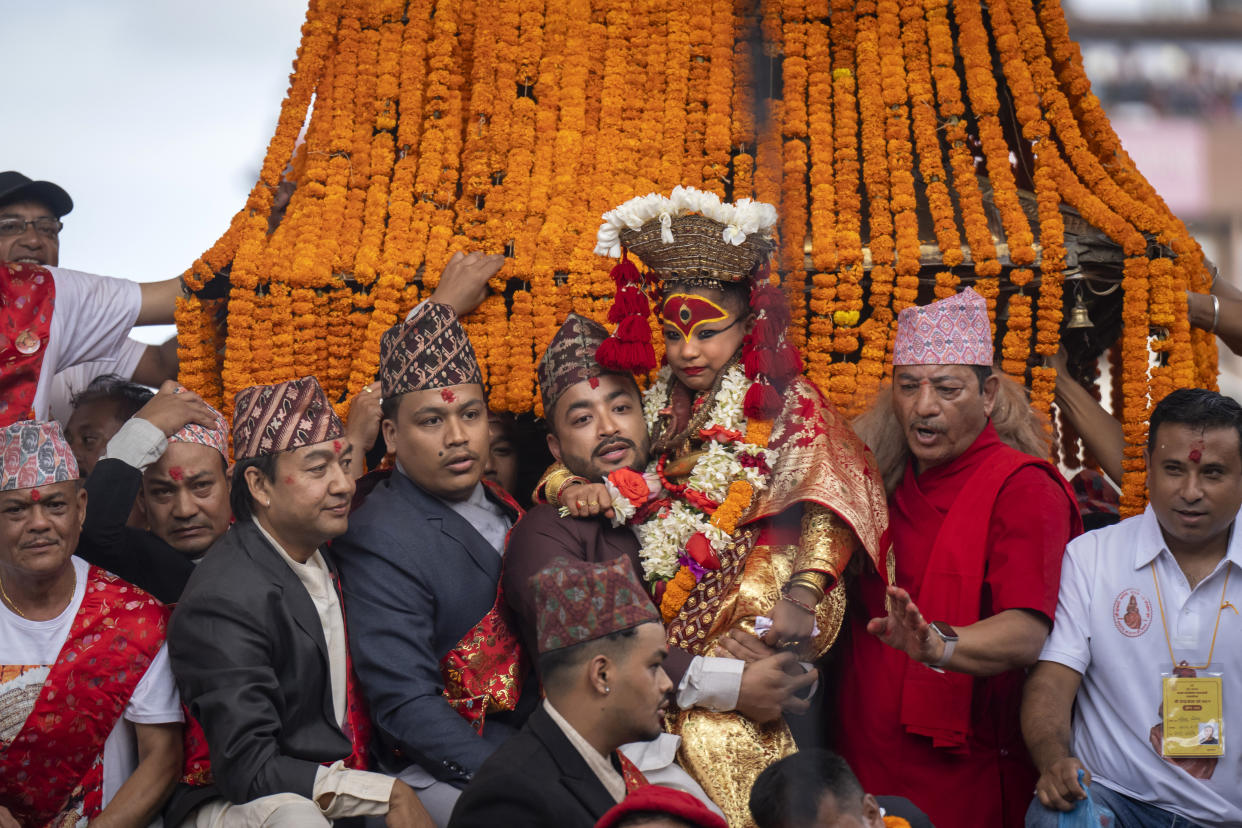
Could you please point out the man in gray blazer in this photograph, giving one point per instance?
(258, 640)
(420, 566)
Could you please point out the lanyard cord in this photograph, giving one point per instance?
(1215, 629)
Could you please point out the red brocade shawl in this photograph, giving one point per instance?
(819, 460)
(57, 757)
(27, 296)
(938, 704)
(483, 672)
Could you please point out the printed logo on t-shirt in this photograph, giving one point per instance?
(1132, 613)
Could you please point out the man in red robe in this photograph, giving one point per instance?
(931, 681)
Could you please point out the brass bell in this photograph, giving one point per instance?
(1079, 318)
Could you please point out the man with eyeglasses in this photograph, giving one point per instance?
(93, 314)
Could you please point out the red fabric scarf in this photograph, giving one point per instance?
(483, 673)
(938, 704)
(57, 758)
(27, 295)
(633, 777)
(357, 717)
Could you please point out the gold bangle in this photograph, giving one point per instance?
(816, 582)
(557, 482)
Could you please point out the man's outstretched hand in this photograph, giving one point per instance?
(905, 629)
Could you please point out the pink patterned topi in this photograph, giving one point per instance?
(35, 454)
(216, 438)
(952, 331)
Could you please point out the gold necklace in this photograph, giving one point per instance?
(9, 600)
(12, 605)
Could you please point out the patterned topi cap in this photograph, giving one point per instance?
(36, 454)
(428, 350)
(952, 331)
(570, 358)
(580, 601)
(269, 419)
(216, 438)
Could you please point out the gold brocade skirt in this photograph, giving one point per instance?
(726, 752)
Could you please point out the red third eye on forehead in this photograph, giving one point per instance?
(34, 495)
(448, 396)
(686, 311)
(176, 473)
(337, 445)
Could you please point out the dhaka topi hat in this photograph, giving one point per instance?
(216, 437)
(661, 800)
(36, 454)
(570, 358)
(951, 331)
(428, 350)
(269, 419)
(580, 601)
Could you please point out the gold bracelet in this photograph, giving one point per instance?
(816, 582)
(556, 483)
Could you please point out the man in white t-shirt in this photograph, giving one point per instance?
(90, 719)
(94, 313)
(1144, 602)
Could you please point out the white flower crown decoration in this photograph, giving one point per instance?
(741, 220)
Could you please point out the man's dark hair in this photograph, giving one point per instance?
(787, 794)
(127, 396)
(555, 664)
(1197, 408)
(982, 372)
(389, 406)
(240, 498)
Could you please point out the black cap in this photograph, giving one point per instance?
(16, 187)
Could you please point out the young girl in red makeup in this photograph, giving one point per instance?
(758, 493)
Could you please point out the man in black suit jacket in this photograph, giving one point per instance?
(421, 562)
(601, 654)
(258, 640)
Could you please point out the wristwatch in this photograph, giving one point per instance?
(949, 636)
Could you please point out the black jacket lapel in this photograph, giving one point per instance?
(296, 599)
(576, 775)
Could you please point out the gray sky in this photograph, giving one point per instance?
(153, 115)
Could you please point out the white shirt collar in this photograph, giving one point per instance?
(1151, 541)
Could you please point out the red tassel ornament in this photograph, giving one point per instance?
(769, 360)
(629, 348)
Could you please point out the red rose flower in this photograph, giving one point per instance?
(631, 485)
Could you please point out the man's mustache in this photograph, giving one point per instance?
(612, 443)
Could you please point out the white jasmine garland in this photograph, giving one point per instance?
(664, 535)
(740, 220)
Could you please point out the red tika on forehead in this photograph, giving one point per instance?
(448, 396)
(337, 445)
(176, 474)
(594, 381)
(685, 312)
(34, 495)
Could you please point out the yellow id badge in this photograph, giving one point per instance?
(1193, 716)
